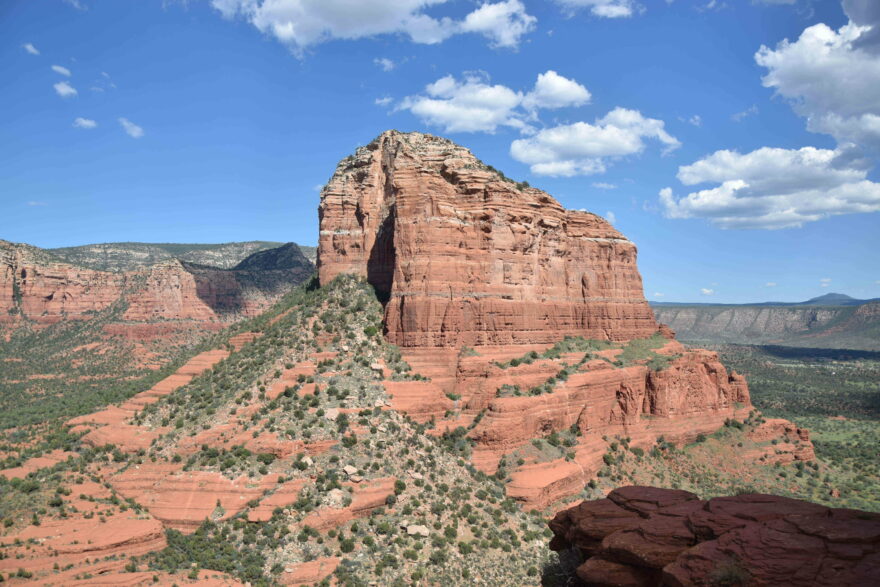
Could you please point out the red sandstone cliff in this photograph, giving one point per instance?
(468, 257)
(39, 290)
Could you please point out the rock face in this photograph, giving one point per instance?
(645, 536)
(465, 256)
(461, 256)
(38, 289)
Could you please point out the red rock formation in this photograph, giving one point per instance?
(644, 536)
(467, 257)
(36, 288)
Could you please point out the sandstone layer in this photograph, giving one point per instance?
(465, 256)
(645, 536)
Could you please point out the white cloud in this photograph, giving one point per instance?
(555, 91)
(84, 123)
(62, 70)
(30, 49)
(65, 90)
(503, 23)
(825, 282)
(832, 78)
(772, 188)
(770, 284)
(383, 101)
(471, 105)
(611, 217)
(303, 23)
(131, 129)
(740, 116)
(696, 120)
(582, 148)
(706, 291)
(657, 294)
(604, 185)
(603, 8)
(35, 203)
(475, 105)
(385, 63)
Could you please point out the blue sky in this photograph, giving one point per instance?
(732, 167)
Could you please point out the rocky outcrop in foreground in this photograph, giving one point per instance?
(646, 536)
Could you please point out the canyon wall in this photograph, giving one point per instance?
(850, 327)
(38, 290)
(464, 256)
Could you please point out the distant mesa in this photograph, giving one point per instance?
(832, 321)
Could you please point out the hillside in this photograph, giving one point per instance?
(472, 357)
(131, 256)
(804, 325)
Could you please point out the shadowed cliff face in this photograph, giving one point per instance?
(461, 255)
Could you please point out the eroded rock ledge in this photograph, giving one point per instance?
(647, 536)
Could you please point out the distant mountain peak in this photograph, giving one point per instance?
(830, 297)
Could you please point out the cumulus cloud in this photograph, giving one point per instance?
(131, 129)
(65, 90)
(303, 23)
(582, 148)
(62, 70)
(832, 78)
(30, 49)
(772, 188)
(603, 8)
(384, 101)
(84, 123)
(706, 291)
(385, 63)
(555, 91)
(503, 23)
(473, 104)
(469, 105)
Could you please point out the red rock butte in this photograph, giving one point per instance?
(462, 256)
(465, 256)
